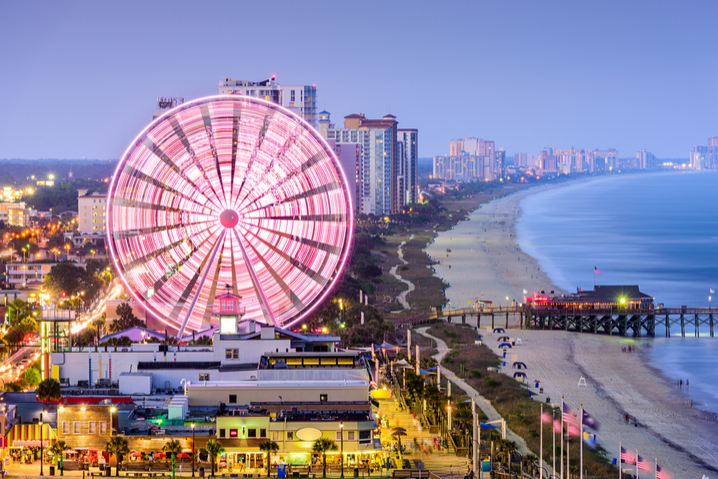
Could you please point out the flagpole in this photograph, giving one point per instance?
(568, 455)
(541, 445)
(580, 440)
(656, 468)
(553, 430)
(620, 461)
(636, 463)
(561, 437)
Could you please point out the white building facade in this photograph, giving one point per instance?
(92, 211)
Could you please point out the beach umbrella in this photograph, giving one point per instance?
(160, 455)
(135, 454)
(183, 454)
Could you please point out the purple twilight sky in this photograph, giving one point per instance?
(80, 79)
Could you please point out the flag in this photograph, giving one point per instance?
(546, 417)
(589, 421)
(557, 426)
(643, 465)
(573, 429)
(661, 474)
(712, 291)
(569, 415)
(589, 439)
(627, 456)
(596, 271)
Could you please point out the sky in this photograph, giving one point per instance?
(80, 79)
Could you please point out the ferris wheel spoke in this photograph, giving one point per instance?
(182, 136)
(154, 254)
(255, 151)
(137, 174)
(269, 168)
(266, 309)
(131, 233)
(207, 120)
(236, 116)
(162, 280)
(319, 190)
(293, 298)
(213, 288)
(157, 151)
(310, 162)
(308, 271)
(335, 250)
(205, 269)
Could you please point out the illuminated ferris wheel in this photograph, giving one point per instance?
(229, 191)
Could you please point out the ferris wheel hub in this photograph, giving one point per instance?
(229, 218)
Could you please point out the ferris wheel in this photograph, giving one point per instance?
(229, 192)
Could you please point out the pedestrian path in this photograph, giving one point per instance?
(443, 463)
(483, 403)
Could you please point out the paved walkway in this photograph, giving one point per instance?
(402, 297)
(444, 463)
(480, 401)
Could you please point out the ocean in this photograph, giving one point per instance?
(655, 230)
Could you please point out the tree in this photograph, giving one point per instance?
(64, 277)
(214, 449)
(202, 341)
(56, 240)
(321, 446)
(269, 447)
(117, 445)
(57, 450)
(32, 376)
(49, 390)
(172, 447)
(126, 320)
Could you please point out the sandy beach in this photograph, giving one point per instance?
(484, 262)
(683, 439)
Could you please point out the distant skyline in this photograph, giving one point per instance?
(80, 79)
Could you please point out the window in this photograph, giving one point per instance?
(222, 433)
(204, 376)
(251, 433)
(276, 436)
(233, 433)
(233, 399)
(338, 436)
(77, 427)
(323, 397)
(92, 427)
(364, 436)
(290, 435)
(262, 433)
(350, 435)
(66, 427)
(231, 353)
(103, 428)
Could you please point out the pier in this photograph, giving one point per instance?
(629, 322)
(622, 321)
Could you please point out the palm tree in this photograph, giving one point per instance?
(269, 447)
(117, 445)
(321, 446)
(172, 447)
(57, 450)
(214, 449)
(49, 389)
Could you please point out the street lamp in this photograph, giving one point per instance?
(193, 449)
(41, 453)
(507, 302)
(341, 452)
(67, 247)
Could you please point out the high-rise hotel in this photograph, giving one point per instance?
(386, 170)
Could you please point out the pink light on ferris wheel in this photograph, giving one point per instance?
(229, 190)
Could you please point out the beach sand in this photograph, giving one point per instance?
(485, 263)
(683, 439)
